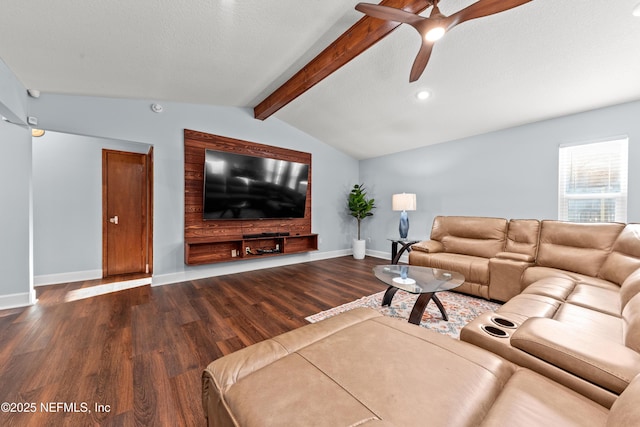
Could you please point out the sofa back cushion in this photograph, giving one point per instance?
(630, 287)
(467, 235)
(631, 323)
(625, 256)
(522, 237)
(581, 248)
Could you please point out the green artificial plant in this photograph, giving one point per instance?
(359, 206)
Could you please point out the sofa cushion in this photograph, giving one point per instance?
(600, 361)
(532, 400)
(625, 256)
(353, 374)
(530, 305)
(553, 287)
(276, 380)
(581, 248)
(533, 274)
(596, 298)
(373, 361)
(522, 237)
(476, 236)
(591, 322)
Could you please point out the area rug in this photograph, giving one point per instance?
(460, 308)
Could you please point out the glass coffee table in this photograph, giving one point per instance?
(425, 281)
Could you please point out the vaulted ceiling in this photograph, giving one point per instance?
(543, 59)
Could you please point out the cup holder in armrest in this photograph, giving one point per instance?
(495, 332)
(505, 323)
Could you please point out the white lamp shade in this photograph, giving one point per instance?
(403, 202)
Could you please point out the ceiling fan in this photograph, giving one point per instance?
(436, 25)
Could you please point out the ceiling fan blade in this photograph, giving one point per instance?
(389, 13)
(420, 63)
(483, 8)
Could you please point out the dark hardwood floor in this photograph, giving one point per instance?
(140, 352)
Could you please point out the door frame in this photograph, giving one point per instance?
(148, 214)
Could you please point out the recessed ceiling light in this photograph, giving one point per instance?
(37, 132)
(636, 11)
(423, 95)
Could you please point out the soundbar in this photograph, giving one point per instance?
(259, 235)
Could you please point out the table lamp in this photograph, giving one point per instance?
(403, 202)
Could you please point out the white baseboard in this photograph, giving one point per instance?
(240, 267)
(387, 255)
(211, 270)
(17, 300)
(73, 276)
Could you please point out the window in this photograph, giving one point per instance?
(593, 182)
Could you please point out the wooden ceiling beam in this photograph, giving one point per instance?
(362, 35)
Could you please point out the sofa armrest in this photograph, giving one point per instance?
(606, 363)
(428, 246)
(514, 256)
(505, 276)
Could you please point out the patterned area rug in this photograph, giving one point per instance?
(460, 308)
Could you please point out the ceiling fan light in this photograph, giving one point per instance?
(434, 34)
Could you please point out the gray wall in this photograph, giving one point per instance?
(512, 173)
(134, 122)
(67, 205)
(15, 195)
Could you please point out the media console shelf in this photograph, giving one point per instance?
(205, 250)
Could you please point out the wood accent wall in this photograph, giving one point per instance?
(195, 227)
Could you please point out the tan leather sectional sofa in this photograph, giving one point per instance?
(577, 319)
(362, 369)
(500, 258)
(564, 350)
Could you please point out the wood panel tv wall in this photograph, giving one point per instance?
(216, 240)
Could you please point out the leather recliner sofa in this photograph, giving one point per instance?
(501, 258)
(573, 309)
(362, 369)
(578, 318)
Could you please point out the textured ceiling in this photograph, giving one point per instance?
(544, 59)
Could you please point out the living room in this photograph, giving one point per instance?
(509, 172)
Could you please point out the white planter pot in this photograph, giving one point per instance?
(359, 248)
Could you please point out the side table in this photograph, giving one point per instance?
(405, 246)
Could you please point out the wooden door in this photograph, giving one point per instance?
(125, 206)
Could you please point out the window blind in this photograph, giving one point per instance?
(593, 181)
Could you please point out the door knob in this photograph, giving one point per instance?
(114, 220)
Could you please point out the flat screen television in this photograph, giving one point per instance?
(239, 186)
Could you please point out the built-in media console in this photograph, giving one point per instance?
(244, 200)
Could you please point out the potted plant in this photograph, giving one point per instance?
(359, 207)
